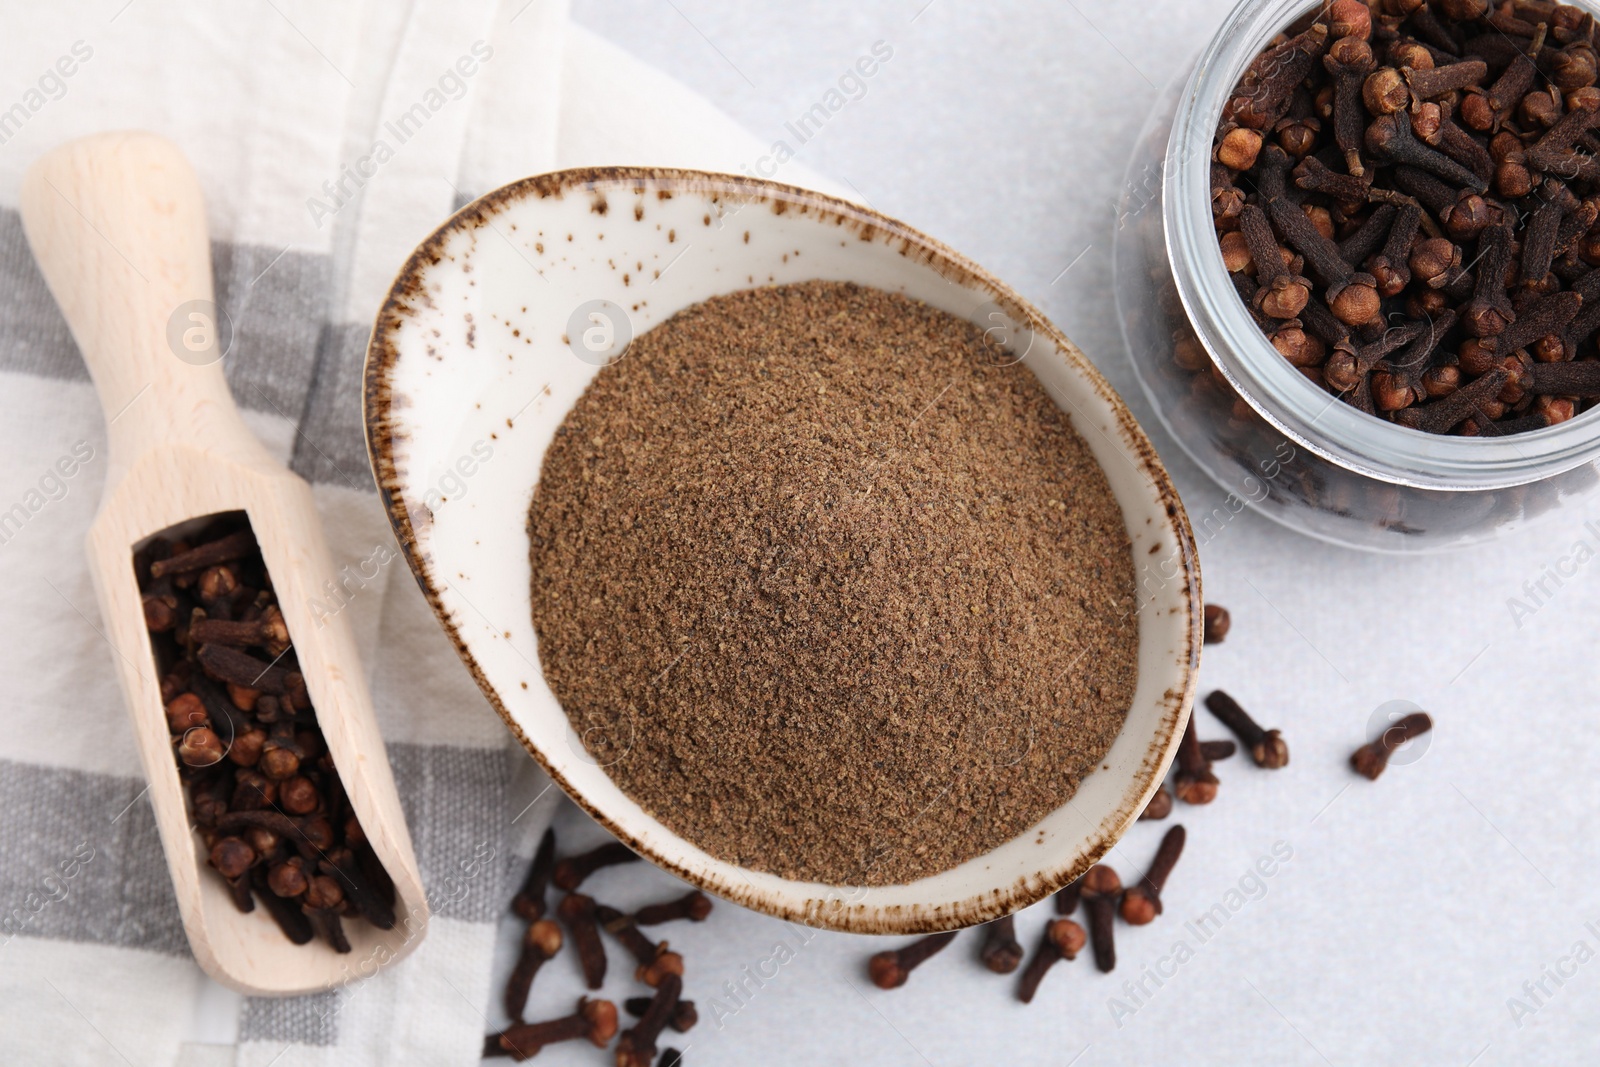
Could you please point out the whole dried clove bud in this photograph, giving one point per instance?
(594, 1021)
(529, 903)
(1142, 902)
(1298, 135)
(1266, 747)
(571, 872)
(684, 1016)
(321, 905)
(694, 906)
(1194, 784)
(1370, 759)
(1574, 67)
(540, 943)
(637, 1047)
(1469, 216)
(889, 970)
(1101, 889)
(1063, 940)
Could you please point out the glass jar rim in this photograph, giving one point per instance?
(1282, 395)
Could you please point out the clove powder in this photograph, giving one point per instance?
(830, 589)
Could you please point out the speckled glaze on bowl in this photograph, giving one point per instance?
(474, 362)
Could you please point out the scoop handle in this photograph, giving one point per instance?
(117, 224)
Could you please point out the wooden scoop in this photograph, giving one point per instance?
(118, 226)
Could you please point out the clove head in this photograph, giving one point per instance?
(1284, 298)
(1440, 382)
(1236, 253)
(1239, 148)
(324, 892)
(1350, 18)
(885, 970)
(1271, 752)
(1298, 136)
(318, 831)
(279, 761)
(1392, 392)
(200, 747)
(1358, 301)
(1067, 937)
(1432, 260)
(1159, 807)
(1139, 906)
(1300, 349)
(1385, 92)
(1196, 787)
(1468, 217)
(1101, 881)
(1217, 624)
(655, 972)
(232, 857)
(601, 1015)
(543, 936)
(288, 879)
(298, 796)
(1369, 761)
(186, 712)
(1001, 953)
(1512, 179)
(1342, 372)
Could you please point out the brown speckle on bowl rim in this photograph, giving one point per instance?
(839, 909)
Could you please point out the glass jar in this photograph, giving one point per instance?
(1275, 440)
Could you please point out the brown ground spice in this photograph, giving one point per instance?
(828, 591)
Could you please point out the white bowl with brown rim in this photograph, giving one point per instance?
(503, 316)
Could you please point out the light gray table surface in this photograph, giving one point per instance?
(1416, 918)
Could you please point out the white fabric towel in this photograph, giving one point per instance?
(330, 138)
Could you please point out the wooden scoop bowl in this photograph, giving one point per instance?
(117, 223)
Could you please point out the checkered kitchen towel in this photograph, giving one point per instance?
(329, 139)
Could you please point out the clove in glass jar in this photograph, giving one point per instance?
(1269, 436)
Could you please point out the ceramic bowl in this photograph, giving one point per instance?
(503, 316)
